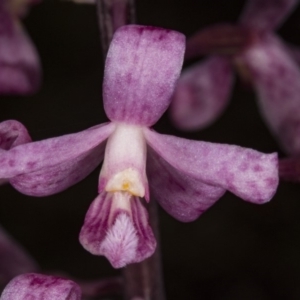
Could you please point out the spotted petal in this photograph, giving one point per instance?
(181, 195)
(142, 66)
(276, 78)
(41, 287)
(12, 134)
(266, 14)
(247, 173)
(52, 165)
(202, 93)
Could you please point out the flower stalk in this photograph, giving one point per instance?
(144, 280)
(113, 14)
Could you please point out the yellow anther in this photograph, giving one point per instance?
(128, 180)
(126, 186)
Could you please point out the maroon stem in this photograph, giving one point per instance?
(113, 14)
(289, 169)
(143, 281)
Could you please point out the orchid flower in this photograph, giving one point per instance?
(19, 62)
(203, 91)
(185, 177)
(40, 287)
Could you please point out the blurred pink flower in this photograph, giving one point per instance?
(203, 90)
(20, 69)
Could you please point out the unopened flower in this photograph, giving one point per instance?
(20, 69)
(185, 177)
(203, 91)
(41, 287)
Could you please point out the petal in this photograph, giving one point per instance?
(41, 287)
(12, 134)
(181, 195)
(142, 66)
(56, 178)
(247, 173)
(49, 166)
(276, 78)
(116, 226)
(13, 259)
(20, 69)
(266, 14)
(196, 102)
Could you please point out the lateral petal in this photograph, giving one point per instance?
(49, 166)
(184, 197)
(41, 287)
(141, 69)
(247, 173)
(266, 15)
(202, 93)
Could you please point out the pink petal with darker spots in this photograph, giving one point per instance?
(52, 165)
(202, 93)
(142, 66)
(184, 197)
(12, 134)
(41, 287)
(247, 173)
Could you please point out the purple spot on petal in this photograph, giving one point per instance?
(31, 164)
(11, 163)
(257, 168)
(243, 166)
(270, 182)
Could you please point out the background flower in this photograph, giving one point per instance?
(261, 58)
(20, 69)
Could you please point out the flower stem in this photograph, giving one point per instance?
(289, 169)
(113, 14)
(143, 281)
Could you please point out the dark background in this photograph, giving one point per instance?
(236, 250)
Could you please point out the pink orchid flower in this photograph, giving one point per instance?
(20, 69)
(185, 177)
(203, 90)
(40, 287)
